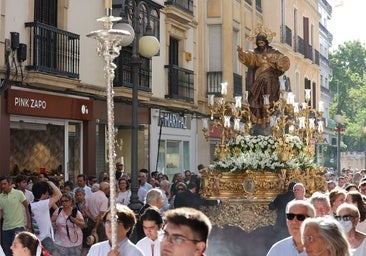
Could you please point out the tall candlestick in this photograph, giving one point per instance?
(211, 100)
(307, 94)
(238, 101)
(224, 88)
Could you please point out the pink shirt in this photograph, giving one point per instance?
(75, 232)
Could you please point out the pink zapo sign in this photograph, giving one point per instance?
(46, 105)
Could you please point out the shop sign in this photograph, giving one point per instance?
(174, 120)
(32, 103)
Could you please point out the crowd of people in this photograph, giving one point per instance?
(331, 223)
(44, 217)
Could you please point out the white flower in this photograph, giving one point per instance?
(259, 153)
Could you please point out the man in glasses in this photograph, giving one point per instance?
(297, 212)
(185, 233)
(126, 220)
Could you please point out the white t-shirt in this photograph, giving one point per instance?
(126, 248)
(41, 219)
(145, 244)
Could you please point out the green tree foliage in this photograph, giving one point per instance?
(349, 85)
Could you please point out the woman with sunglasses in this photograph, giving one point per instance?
(349, 216)
(69, 222)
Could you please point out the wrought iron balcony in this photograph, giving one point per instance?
(180, 83)
(53, 50)
(186, 5)
(286, 35)
(123, 74)
(214, 80)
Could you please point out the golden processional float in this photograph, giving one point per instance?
(251, 170)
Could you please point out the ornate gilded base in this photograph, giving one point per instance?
(246, 214)
(255, 185)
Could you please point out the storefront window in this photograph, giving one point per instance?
(173, 157)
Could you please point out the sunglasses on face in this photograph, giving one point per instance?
(299, 217)
(344, 217)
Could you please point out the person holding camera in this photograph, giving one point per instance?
(69, 222)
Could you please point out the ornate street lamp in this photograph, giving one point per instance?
(339, 119)
(364, 135)
(135, 14)
(108, 46)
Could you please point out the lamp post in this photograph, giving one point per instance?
(364, 135)
(340, 121)
(137, 12)
(109, 44)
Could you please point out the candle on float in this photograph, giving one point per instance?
(307, 94)
(238, 101)
(205, 123)
(272, 121)
(282, 85)
(320, 126)
(311, 123)
(290, 98)
(246, 96)
(321, 106)
(227, 121)
(224, 88)
(236, 124)
(220, 100)
(107, 4)
(211, 99)
(296, 107)
(266, 99)
(242, 127)
(301, 122)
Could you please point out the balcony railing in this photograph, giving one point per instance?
(214, 80)
(308, 52)
(286, 36)
(186, 5)
(299, 46)
(123, 72)
(53, 50)
(180, 82)
(316, 57)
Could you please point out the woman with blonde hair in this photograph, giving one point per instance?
(323, 236)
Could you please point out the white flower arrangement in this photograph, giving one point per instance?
(264, 153)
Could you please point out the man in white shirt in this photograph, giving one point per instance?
(297, 211)
(152, 223)
(81, 181)
(41, 219)
(125, 222)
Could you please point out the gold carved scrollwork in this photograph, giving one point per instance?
(246, 214)
(258, 184)
(250, 194)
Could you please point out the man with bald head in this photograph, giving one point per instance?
(97, 205)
